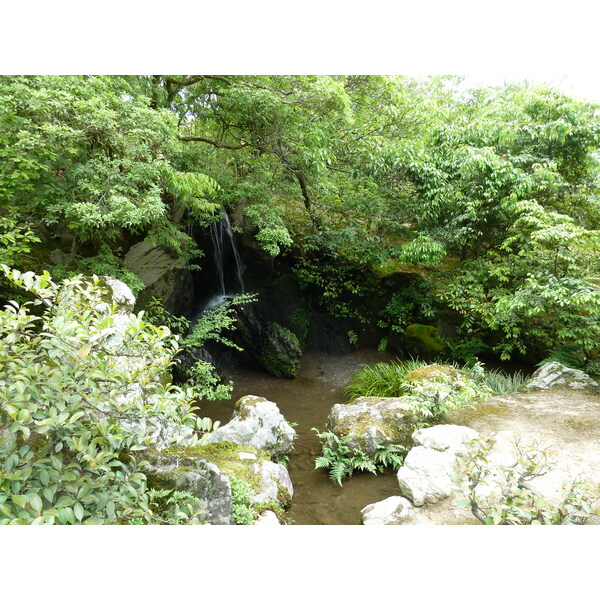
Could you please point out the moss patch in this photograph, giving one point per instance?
(424, 339)
(280, 351)
(435, 373)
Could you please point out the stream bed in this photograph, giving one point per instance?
(306, 402)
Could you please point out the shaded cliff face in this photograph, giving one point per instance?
(164, 276)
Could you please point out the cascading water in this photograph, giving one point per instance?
(219, 233)
(229, 281)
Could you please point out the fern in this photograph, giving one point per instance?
(339, 470)
(341, 461)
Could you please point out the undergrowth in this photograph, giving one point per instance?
(342, 461)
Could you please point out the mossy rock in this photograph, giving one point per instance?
(373, 422)
(435, 373)
(423, 341)
(279, 351)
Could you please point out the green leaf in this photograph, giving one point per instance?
(78, 511)
(36, 502)
(19, 500)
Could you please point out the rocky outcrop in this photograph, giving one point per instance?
(258, 423)
(164, 276)
(206, 472)
(553, 374)
(372, 422)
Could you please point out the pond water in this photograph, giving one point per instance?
(306, 402)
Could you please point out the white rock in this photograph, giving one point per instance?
(391, 511)
(257, 423)
(267, 518)
(247, 456)
(445, 437)
(554, 374)
(273, 477)
(426, 475)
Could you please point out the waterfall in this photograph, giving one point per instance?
(220, 233)
(227, 263)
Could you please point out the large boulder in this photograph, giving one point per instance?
(553, 374)
(164, 276)
(198, 477)
(426, 474)
(372, 422)
(258, 423)
(206, 472)
(274, 483)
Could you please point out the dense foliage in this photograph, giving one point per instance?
(393, 201)
(80, 398)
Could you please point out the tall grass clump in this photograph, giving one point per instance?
(381, 380)
(389, 379)
(503, 383)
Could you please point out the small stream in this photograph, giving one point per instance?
(307, 401)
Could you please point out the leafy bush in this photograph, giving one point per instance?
(82, 392)
(500, 382)
(244, 511)
(502, 495)
(203, 377)
(341, 461)
(16, 239)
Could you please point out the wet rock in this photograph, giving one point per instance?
(268, 345)
(164, 276)
(553, 374)
(426, 475)
(395, 510)
(371, 422)
(445, 437)
(258, 423)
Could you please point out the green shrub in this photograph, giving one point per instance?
(510, 500)
(78, 401)
(244, 511)
(384, 380)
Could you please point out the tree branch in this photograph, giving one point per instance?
(212, 142)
